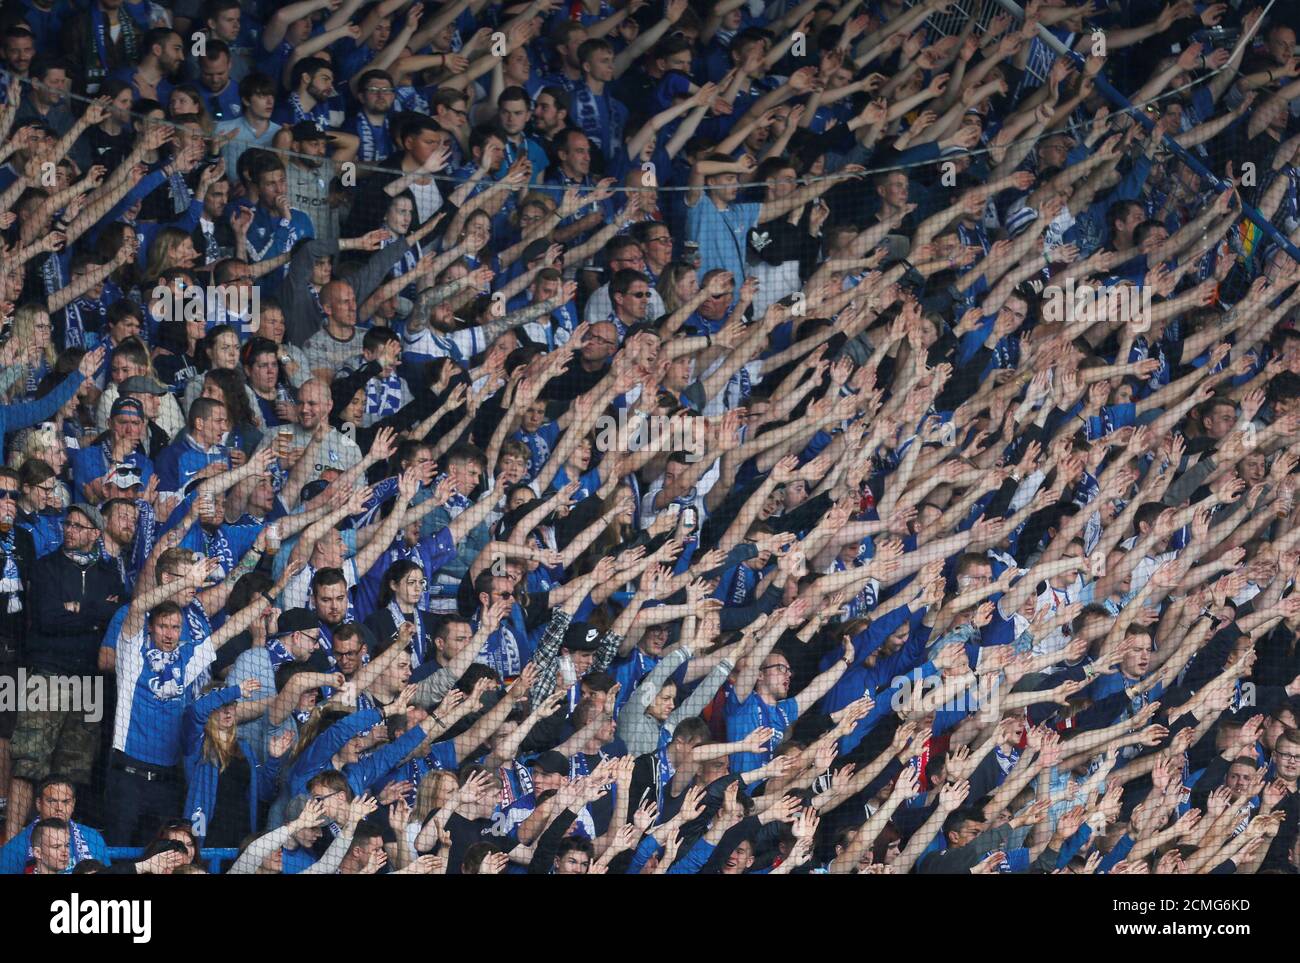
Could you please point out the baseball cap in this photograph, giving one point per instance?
(142, 385)
(581, 637)
(551, 762)
(305, 130)
(127, 406)
(296, 620)
(312, 489)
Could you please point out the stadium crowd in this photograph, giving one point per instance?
(544, 436)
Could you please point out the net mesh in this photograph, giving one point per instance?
(875, 460)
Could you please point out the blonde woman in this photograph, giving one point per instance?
(678, 283)
(171, 248)
(214, 754)
(33, 332)
(42, 443)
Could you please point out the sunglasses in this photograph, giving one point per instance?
(9, 493)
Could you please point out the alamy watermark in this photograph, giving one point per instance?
(33, 692)
(215, 304)
(659, 433)
(96, 917)
(1076, 303)
(916, 693)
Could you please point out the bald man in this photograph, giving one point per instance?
(339, 340)
(339, 451)
(305, 318)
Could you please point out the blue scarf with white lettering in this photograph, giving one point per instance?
(376, 144)
(165, 672)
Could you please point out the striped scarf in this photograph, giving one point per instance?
(375, 144)
(384, 395)
(100, 44)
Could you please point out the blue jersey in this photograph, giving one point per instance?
(270, 235)
(588, 482)
(180, 461)
(744, 717)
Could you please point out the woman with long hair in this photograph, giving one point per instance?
(230, 388)
(401, 588)
(179, 831)
(678, 284)
(126, 278)
(619, 532)
(186, 103)
(110, 141)
(473, 239)
(226, 781)
(32, 330)
(175, 358)
(171, 248)
(218, 351)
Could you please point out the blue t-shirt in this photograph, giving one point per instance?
(721, 234)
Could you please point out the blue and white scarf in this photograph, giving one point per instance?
(384, 395)
(664, 773)
(180, 192)
(100, 33)
(376, 144)
(166, 672)
(599, 117)
(280, 655)
(301, 113)
(75, 314)
(11, 582)
(419, 641)
(457, 503)
(217, 546)
(197, 620)
(1006, 760)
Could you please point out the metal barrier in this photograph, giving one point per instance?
(215, 858)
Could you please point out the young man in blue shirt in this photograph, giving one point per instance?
(56, 799)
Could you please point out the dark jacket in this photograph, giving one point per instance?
(13, 624)
(63, 642)
(301, 317)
